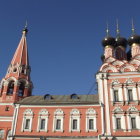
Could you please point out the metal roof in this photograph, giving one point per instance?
(60, 99)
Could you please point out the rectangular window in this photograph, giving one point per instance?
(58, 124)
(91, 124)
(74, 124)
(27, 124)
(133, 123)
(118, 123)
(116, 96)
(130, 95)
(42, 124)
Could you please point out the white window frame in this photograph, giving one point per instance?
(137, 119)
(91, 114)
(74, 115)
(28, 114)
(43, 114)
(120, 96)
(58, 114)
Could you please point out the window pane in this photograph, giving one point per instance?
(116, 96)
(2, 134)
(130, 95)
(74, 124)
(118, 122)
(91, 125)
(42, 124)
(27, 123)
(133, 123)
(58, 124)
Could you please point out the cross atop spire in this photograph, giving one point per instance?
(117, 28)
(133, 28)
(107, 29)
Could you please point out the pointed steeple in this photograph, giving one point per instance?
(21, 54)
(20, 63)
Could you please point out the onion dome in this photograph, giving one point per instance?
(134, 39)
(120, 41)
(108, 41)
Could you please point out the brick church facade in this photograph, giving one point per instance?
(112, 114)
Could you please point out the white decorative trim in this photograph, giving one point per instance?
(74, 115)
(43, 114)
(91, 114)
(28, 114)
(58, 115)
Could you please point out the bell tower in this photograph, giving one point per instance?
(17, 83)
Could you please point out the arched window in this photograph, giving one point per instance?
(27, 120)
(74, 96)
(2, 134)
(91, 120)
(10, 88)
(74, 120)
(47, 97)
(58, 120)
(21, 89)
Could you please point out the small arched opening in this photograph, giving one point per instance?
(10, 88)
(21, 89)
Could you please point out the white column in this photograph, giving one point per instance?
(125, 94)
(135, 97)
(138, 122)
(108, 131)
(128, 123)
(114, 122)
(111, 94)
(100, 87)
(123, 123)
(139, 92)
(14, 122)
(120, 94)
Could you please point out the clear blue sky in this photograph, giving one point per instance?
(64, 39)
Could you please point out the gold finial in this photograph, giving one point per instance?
(117, 26)
(25, 30)
(133, 28)
(107, 29)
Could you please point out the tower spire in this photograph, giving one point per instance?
(117, 28)
(107, 29)
(133, 28)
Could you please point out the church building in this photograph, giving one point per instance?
(111, 114)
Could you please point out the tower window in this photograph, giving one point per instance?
(10, 88)
(15, 70)
(21, 89)
(116, 96)
(133, 123)
(118, 123)
(130, 95)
